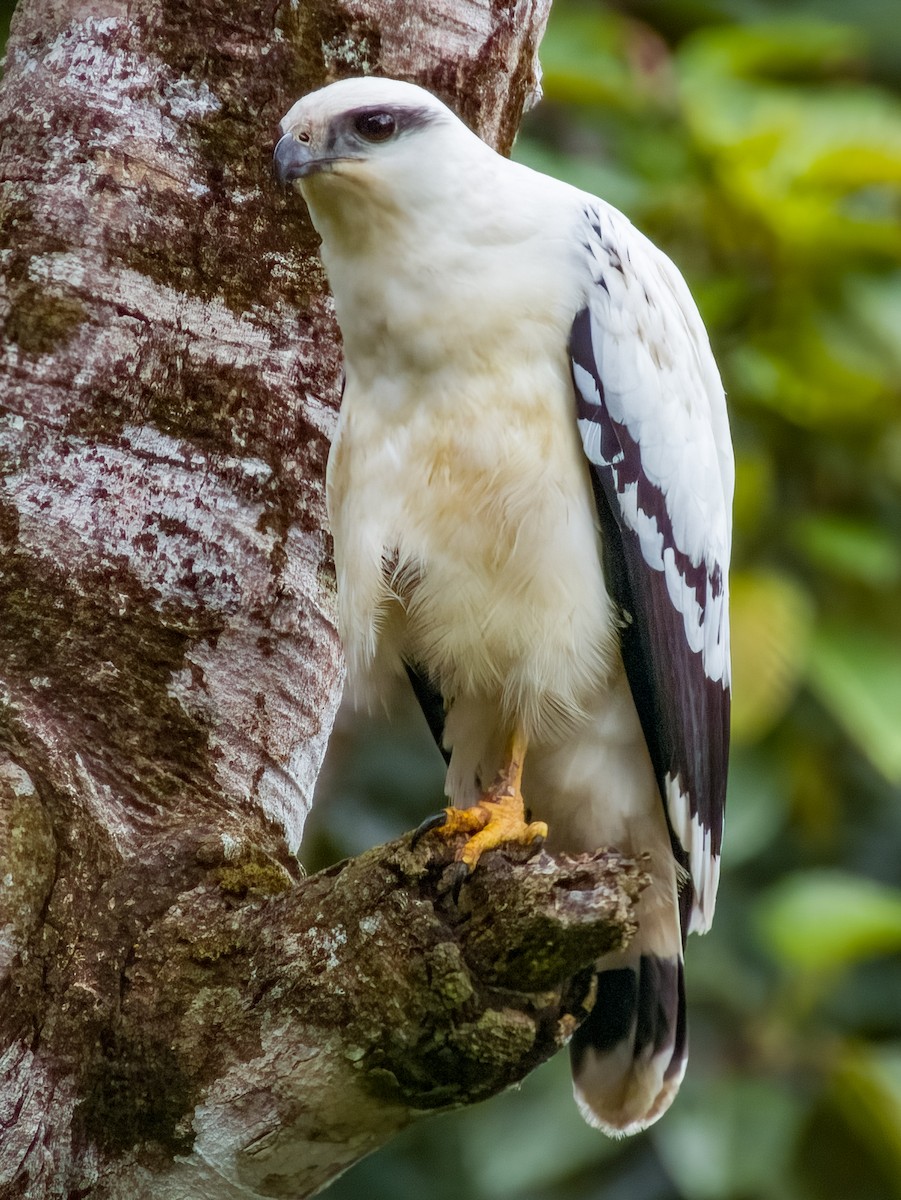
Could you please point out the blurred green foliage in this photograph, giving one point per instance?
(7, 7)
(759, 143)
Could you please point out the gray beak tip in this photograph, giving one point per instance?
(291, 160)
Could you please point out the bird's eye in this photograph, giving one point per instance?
(376, 126)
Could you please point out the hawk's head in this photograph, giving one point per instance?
(378, 158)
(359, 129)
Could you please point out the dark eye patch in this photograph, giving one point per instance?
(375, 126)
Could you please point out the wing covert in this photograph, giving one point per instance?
(652, 417)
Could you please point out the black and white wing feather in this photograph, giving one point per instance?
(652, 417)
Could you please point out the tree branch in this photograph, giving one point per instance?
(322, 1017)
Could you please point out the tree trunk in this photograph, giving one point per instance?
(182, 1015)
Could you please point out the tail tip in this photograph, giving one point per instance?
(629, 1056)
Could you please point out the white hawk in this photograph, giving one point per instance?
(530, 492)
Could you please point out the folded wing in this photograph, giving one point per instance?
(652, 417)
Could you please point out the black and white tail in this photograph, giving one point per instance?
(629, 1055)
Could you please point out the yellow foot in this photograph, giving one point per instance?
(499, 819)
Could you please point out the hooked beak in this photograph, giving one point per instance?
(293, 160)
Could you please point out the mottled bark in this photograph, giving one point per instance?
(181, 1015)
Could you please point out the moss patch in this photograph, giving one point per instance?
(134, 1092)
(38, 321)
(251, 256)
(449, 977)
(106, 664)
(205, 951)
(224, 410)
(22, 233)
(27, 857)
(264, 879)
(243, 240)
(327, 44)
(498, 1037)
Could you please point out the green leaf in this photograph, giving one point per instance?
(853, 1143)
(541, 1121)
(825, 919)
(771, 620)
(578, 61)
(755, 805)
(856, 674)
(598, 177)
(754, 487)
(818, 166)
(584, 60)
(849, 548)
(874, 301)
(776, 49)
(729, 1137)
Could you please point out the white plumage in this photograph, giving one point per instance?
(530, 494)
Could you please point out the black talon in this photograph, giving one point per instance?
(430, 823)
(459, 875)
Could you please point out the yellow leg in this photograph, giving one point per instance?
(499, 818)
